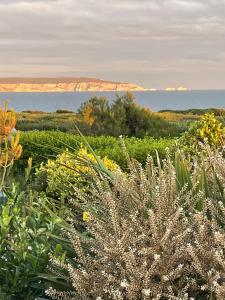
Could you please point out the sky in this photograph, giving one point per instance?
(153, 43)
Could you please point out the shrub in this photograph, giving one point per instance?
(148, 237)
(25, 223)
(208, 131)
(45, 145)
(62, 176)
(124, 116)
(25, 244)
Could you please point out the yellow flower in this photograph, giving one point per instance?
(110, 164)
(16, 148)
(86, 216)
(7, 120)
(4, 158)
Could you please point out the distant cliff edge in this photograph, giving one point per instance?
(64, 85)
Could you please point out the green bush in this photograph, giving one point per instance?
(124, 116)
(61, 176)
(208, 131)
(47, 144)
(25, 243)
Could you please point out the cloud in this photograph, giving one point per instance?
(151, 42)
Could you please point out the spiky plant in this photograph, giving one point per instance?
(151, 234)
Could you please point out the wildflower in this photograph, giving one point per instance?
(146, 292)
(180, 266)
(215, 283)
(16, 148)
(165, 278)
(110, 165)
(156, 256)
(220, 203)
(124, 283)
(86, 216)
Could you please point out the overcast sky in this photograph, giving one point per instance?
(154, 43)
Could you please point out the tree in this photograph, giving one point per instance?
(96, 113)
(123, 117)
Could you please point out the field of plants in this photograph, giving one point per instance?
(132, 209)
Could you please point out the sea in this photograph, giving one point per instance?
(159, 100)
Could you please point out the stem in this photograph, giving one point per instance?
(3, 177)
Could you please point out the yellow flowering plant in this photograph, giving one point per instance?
(10, 149)
(86, 216)
(69, 171)
(208, 131)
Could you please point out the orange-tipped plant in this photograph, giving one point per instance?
(7, 120)
(10, 149)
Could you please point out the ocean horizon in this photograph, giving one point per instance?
(158, 100)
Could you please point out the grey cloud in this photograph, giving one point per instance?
(151, 42)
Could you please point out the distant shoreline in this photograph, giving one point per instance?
(80, 84)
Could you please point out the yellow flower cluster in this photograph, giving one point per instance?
(110, 164)
(7, 121)
(211, 130)
(86, 216)
(68, 170)
(10, 149)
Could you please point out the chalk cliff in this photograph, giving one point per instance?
(63, 85)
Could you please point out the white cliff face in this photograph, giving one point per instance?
(73, 86)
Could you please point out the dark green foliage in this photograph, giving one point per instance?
(33, 112)
(25, 243)
(47, 144)
(124, 116)
(64, 111)
(96, 114)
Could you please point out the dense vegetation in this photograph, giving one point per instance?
(47, 144)
(102, 217)
(37, 120)
(98, 117)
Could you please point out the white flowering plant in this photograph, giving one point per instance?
(156, 233)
